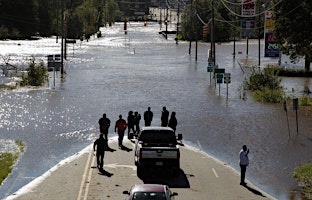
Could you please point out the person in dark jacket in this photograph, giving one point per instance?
(173, 121)
(130, 120)
(104, 123)
(164, 117)
(100, 146)
(243, 163)
(148, 116)
(137, 118)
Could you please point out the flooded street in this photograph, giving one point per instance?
(118, 73)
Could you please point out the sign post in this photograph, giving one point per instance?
(210, 69)
(295, 107)
(227, 80)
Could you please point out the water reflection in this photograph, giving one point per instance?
(104, 76)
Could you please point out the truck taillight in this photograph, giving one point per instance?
(140, 155)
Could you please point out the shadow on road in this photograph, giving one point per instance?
(256, 192)
(178, 180)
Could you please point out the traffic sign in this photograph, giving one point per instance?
(209, 69)
(219, 70)
(227, 78)
(219, 75)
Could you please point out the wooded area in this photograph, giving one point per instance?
(20, 19)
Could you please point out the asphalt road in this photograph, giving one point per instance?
(201, 177)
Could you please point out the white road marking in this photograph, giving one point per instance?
(215, 173)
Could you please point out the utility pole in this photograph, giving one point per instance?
(190, 44)
(166, 20)
(62, 43)
(213, 52)
(177, 34)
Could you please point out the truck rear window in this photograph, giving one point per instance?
(154, 136)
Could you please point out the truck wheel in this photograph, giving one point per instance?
(140, 171)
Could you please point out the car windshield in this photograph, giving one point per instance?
(149, 195)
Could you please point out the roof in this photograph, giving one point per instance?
(148, 188)
(158, 128)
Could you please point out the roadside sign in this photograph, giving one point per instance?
(219, 80)
(227, 78)
(219, 70)
(219, 75)
(209, 69)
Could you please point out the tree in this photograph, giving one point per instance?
(199, 12)
(19, 16)
(37, 74)
(293, 30)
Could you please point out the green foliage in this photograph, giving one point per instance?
(292, 31)
(21, 145)
(266, 78)
(37, 74)
(19, 15)
(303, 175)
(21, 19)
(199, 12)
(7, 161)
(269, 95)
(305, 100)
(265, 85)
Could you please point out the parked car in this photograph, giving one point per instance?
(150, 191)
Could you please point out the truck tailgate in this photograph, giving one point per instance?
(159, 153)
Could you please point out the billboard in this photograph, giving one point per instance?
(271, 44)
(248, 23)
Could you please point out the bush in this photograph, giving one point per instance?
(269, 96)
(303, 175)
(37, 74)
(305, 100)
(265, 85)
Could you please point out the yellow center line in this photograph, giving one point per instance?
(87, 167)
(89, 179)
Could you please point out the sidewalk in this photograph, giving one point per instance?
(202, 177)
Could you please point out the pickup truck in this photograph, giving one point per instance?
(157, 147)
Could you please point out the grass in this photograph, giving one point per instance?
(7, 161)
(303, 175)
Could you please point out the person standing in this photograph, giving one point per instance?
(130, 120)
(99, 146)
(104, 123)
(164, 117)
(243, 163)
(148, 116)
(137, 118)
(173, 121)
(120, 126)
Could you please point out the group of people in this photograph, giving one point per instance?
(132, 124)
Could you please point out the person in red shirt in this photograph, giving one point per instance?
(121, 126)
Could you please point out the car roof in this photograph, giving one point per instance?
(149, 188)
(158, 128)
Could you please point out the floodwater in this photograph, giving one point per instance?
(118, 73)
